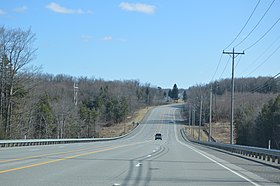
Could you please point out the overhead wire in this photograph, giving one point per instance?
(257, 41)
(244, 25)
(265, 60)
(265, 84)
(263, 35)
(217, 67)
(255, 25)
(261, 55)
(259, 88)
(235, 39)
(238, 61)
(225, 67)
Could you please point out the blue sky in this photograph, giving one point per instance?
(160, 42)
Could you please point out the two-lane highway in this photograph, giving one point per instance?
(137, 159)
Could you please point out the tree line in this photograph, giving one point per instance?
(258, 85)
(36, 105)
(261, 129)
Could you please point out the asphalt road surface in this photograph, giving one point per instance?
(136, 160)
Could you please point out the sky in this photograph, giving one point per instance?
(161, 42)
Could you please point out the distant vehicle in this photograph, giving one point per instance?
(158, 136)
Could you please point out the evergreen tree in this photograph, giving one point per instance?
(185, 96)
(170, 93)
(244, 126)
(268, 124)
(175, 92)
(88, 113)
(44, 126)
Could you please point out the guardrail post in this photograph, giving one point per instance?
(273, 159)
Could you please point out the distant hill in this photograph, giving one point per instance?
(259, 84)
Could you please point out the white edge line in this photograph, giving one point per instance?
(201, 153)
(229, 169)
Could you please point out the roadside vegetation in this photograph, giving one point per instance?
(36, 105)
(257, 110)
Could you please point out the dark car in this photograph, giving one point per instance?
(158, 136)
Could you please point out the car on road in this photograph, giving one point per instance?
(158, 136)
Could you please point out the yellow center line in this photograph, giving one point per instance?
(50, 154)
(69, 157)
(43, 155)
(159, 126)
(38, 156)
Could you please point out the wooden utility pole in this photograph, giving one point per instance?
(210, 117)
(190, 116)
(193, 122)
(200, 118)
(233, 54)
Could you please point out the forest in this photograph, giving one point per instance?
(38, 105)
(256, 108)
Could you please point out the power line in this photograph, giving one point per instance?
(265, 84)
(225, 67)
(262, 54)
(244, 25)
(263, 34)
(255, 25)
(256, 89)
(238, 61)
(265, 60)
(217, 67)
(235, 39)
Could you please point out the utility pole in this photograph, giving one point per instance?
(233, 54)
(190, 115)
(200, 117)
(76, 94)
(193, 122)
(210, 116)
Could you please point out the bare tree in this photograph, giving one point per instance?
(16, 51)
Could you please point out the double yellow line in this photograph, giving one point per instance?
(159, 126)
(64, 158)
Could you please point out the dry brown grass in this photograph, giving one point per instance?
(220, 132)
(193, 132)
(125, 127)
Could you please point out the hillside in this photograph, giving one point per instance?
(48, 106)
(253, 96)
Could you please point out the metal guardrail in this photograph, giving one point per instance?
(255, 152)
(33, 142)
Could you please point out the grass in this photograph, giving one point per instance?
(220, 132)
(124, 127)
(195, 131)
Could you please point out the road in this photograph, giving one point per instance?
(134, 160)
